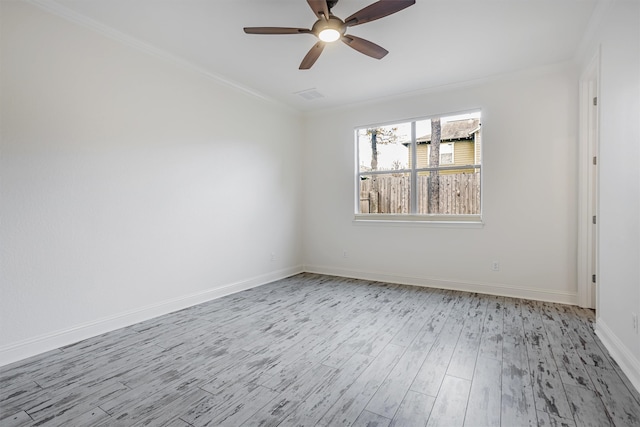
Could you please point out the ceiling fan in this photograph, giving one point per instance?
(329, 28)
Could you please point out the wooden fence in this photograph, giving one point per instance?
(459, 194)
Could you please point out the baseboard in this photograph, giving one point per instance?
(482, 288)
(51, 341)
(629, 364)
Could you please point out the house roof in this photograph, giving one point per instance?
(455, 130)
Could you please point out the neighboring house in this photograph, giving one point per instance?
(460, 145)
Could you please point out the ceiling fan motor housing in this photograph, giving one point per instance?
(333, 22)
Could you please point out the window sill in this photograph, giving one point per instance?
(442, 221)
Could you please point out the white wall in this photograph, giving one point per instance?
(529, 193)
(130, 186)
(618, 40)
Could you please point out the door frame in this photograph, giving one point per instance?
(588, 183)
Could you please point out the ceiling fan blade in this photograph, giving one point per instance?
(365, 46)
(275, 30)
(312, 56)
(377, 10)
(320, 8)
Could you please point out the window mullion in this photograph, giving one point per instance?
(414, 164)
(358, 174)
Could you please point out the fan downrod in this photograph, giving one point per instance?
(331, 3)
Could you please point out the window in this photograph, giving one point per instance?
(446, 153)
(444, 181)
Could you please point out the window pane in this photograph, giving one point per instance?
(384, 148)
(385, 193)
(450, 192)
(446, 154)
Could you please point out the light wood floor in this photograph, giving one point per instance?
(317, 350)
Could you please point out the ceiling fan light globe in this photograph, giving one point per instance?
(329, 35)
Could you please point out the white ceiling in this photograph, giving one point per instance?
(432, 43)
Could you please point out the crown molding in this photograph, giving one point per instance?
(64, 12)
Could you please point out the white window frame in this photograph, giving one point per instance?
(438, 220)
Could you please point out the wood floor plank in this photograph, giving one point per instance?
(158, 409)
(205, 360)
(492, 329)
(318, 402)
(444, 331)
(621, 406)
(287, 401)
(72, 401)
(177, 423)
(331, 351)
(18, 419)
(369, 419)
(90, 417)
(188, 374)
(463, 359)
(388, 398)
(632, 391)
(548, 389)
(102, 368)
(414, 410)
(303, 348)
(570, 366)
(284, 375)
(168, 412)
(15, 397)
(213, 405)
(242, 410)
(61, 374)
(588, 409)
(485, 397)
(250, 369)
(110, 341)
(415, 322)
(345, 411)
(384, 336)
(25, 370)
(449, 407)
(583, 339)
(359, 337)
(518, 406)
(546, 420)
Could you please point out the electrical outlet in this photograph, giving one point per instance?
(344, 254)
(273, 256)
(634, 319)
(495, 266)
